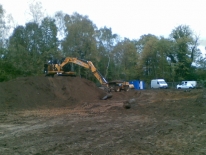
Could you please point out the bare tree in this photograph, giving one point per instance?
(36, 11)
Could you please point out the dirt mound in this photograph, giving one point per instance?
(30, 92)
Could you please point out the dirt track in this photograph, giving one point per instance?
(64, 115)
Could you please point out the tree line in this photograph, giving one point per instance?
(29, 46)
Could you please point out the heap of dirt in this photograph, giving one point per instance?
(33, 92)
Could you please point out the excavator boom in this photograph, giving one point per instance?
(88, 65)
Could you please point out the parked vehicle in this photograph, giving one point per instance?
(159, 83)
(194, 83)
(185, 86)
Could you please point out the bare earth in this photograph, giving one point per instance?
(65, 116)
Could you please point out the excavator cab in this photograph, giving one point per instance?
(54, 67)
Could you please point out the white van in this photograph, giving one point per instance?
(193, 83)
(159, 83)
(185, 86)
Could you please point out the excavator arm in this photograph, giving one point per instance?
(86, 64)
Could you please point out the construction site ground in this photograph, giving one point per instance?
(66, 116)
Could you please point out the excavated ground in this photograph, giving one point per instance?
(65, 116)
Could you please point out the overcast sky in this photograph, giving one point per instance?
(127, 18)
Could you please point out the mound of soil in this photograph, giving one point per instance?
(32, 92)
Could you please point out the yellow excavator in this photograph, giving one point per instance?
(59, 68)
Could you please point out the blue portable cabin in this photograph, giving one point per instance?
(138, 84)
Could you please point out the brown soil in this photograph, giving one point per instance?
(65, 115)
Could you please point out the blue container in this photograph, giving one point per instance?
(135, 83)
(138, 84)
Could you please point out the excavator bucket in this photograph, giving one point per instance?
(105, 96)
